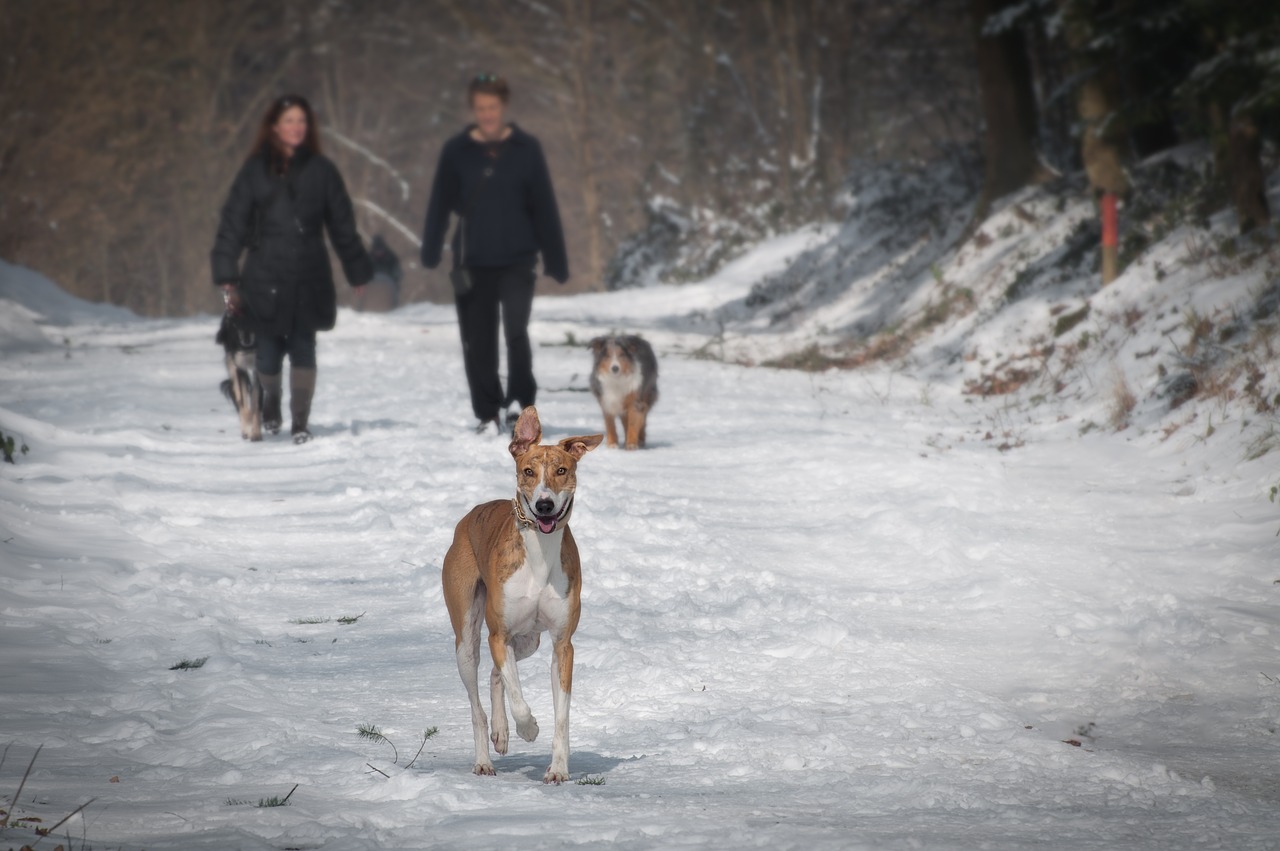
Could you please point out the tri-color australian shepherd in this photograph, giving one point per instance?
(239, 343)
(625, 383)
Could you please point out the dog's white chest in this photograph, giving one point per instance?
(614, 390)
(535, 597)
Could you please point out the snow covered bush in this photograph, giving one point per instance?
(684, 244)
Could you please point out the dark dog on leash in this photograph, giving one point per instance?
(239, 343)
(624, 380)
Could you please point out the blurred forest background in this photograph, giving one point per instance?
(678, 132)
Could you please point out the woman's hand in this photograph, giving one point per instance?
(231, 298)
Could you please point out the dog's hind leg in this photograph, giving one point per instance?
(469, 669)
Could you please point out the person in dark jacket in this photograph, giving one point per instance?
(494, 177)
(285, 195)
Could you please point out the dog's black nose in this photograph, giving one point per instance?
(615, 369)
(544, 506)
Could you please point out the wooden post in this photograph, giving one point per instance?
(1110, 238)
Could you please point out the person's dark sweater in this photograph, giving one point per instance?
(504, 191)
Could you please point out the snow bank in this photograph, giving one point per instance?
(44, 303)
(18, 329)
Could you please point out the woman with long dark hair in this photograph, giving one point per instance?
(494, 177)
(285, 196)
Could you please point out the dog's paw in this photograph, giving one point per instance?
(528, 729)
(500, 740)
(484, 769)
(555, 775)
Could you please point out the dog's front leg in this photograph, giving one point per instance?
(561, 689)
(498, 709)
(504, 660)
(522, 646)
(611, 430)
(468, 667)
(634, 426)
(251, 409)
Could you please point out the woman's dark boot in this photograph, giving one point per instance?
(302, 387)
(271, 390)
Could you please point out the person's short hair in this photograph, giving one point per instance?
(488, 84)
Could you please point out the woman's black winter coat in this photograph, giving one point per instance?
(287, 281)
(504, 192)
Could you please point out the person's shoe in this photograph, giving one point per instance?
(484, 426)
(302, 389)
(272, 387)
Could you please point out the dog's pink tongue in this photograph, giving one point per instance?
(547, 525)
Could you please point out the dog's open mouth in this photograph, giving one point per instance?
(547, 523)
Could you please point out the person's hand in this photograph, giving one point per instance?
(231, 298)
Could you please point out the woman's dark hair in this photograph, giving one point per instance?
(488, 84)
(265, 143)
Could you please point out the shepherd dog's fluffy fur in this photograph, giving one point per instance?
(239, 345)
(624, 380)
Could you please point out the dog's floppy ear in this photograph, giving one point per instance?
(528, 432)
(579, 446)
(597, 345)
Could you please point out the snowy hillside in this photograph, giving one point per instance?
(821, 612)
(1183, 342)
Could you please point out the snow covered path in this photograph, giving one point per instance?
(814, 615)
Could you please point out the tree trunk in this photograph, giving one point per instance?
(783, 113)
(578, 18)
(1008, 105)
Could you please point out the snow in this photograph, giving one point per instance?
(821, 611)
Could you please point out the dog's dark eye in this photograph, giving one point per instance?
(560, 471)
(528, 472)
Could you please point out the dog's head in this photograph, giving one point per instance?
(546, 476)
(236, 332)
(615, 355)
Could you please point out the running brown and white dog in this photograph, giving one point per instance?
(513, 566)
(624, 380)
(239, 345)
